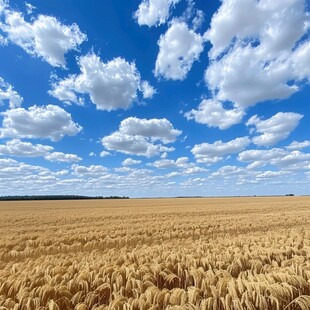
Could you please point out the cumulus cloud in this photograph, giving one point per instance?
(44, 37)
(179, 47)
(258, 57)
(239, 176)
(277, 25)
(181, 163)
(154, 12)
(261, 155)
(255, 164)
(110, 86)
(130, 162)
(288, 160)
(62, 157)
(295, 145)
(24, 179)
(134, 145)
(89, 171)
(293, 160)
(139, 136)
(104, 153)
(157, 129)
(12, 169)
(46, 122)
(19, 148)
(228, 171)
(213, 152)
(270, 174)
(213, 114)
(8, 93)
(245, 78)
(274, 129)
(147, 90)
(300, 60)
(63, 90)
(266, 66)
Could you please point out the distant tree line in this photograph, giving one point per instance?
(57, 197)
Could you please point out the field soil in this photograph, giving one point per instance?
(201, 253)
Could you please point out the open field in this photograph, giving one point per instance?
(217, 253)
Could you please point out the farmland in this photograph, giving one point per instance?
(216, 253)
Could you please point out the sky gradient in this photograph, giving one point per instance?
(154, 98)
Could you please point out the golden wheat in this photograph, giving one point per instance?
(242, 253)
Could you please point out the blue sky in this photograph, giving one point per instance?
(155, 97)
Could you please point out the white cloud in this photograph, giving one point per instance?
(261, 155)
(62, 157)
(194, 170)
(133, 145)
(19, 148)
(98, 180)
(198, 19)
(238, 177)
(24, 179)
(3, 6)
(138, 136)
(63, 90)
(294, 160)
(274, 129)
(8, 93)
(154, 12)
(11, 169)
(244, 77)
(181, 162)
(44, 37)
(4, 162)
(271, 174)
(164, 155)
(213, 114)
(214, 152)
(46, 122)
(156, 129)
(89, 171)
(29, 8)
(192, 16)
(179, 47)
(246, 177)
(228, 171)
(259, 56)
(147, 90)
(110, 86)
(172, 174)
(104, 154)
(3, 40)
(130, 162)
(255, 164)
(300, 61)
(295, 145)
(277, 25)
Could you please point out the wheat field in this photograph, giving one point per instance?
(216, 253)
